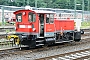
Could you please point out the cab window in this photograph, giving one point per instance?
(19, 17)
(49, 18)
(31, 17)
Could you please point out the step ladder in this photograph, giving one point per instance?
(39, 42)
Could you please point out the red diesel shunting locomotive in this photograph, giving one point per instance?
(38, 27)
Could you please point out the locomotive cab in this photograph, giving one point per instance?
(31, 25)
(46, 21)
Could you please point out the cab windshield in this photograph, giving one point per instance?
(31, 17)
(19, 17)
(49, 18)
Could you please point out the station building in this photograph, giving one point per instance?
(61, 13)
(8, 12)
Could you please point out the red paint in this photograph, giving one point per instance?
(64, 24)
(58, 25)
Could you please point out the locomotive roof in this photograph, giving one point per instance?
(43, 11)
(36, 11)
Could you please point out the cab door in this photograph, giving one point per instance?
(49, 27)
(41, 21)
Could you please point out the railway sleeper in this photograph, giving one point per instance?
(75, 56)
(5, 43)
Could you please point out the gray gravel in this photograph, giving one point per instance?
(41, 54)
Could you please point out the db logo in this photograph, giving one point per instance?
(49, 29)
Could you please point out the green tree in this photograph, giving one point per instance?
(63, 4)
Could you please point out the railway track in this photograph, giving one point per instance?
(7, 27)
(7, 30)
(10, 52)
(76, 55)
(14, 52)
